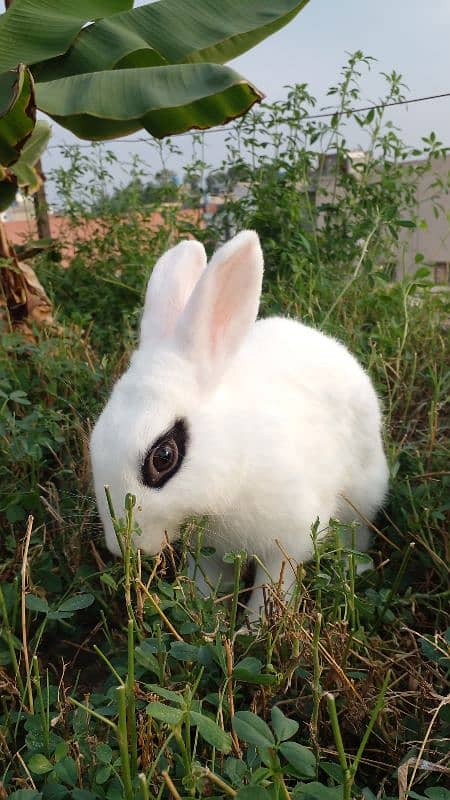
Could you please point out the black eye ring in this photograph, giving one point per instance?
(165, 456)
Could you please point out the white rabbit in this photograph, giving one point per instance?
(263, 427)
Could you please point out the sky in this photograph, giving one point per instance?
(410, 36)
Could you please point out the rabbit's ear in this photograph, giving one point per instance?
(222, 308)
(171, 283)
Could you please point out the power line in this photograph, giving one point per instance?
(337, 111)
(381, 105)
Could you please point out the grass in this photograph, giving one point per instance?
(117, 679)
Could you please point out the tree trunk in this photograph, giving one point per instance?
(41, 207)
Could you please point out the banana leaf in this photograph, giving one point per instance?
(24, 168)
(103, 69)
(35, 30)
(17, 112)
(170, 32)
(163, 100)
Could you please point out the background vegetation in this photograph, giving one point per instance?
(104, 69)
(117, 679)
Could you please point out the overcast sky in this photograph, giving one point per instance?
(410, 36)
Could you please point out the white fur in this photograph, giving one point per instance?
(283, 421)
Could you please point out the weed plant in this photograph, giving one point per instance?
(117, 679)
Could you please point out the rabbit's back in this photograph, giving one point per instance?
(283, 356)
(312, 423)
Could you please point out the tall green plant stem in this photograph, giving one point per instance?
(45, 721)
(349, 771)
(8, 635)
(131, 701)
(234, 602)
(316, 687)
(122, 735)
(332, 713)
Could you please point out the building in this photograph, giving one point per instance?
(21, 210)
(431, 237)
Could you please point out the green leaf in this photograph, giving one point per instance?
(8, 191)
(333, 770)
(172, 716)
(146, 659)
(234, 555)
(32, 150)
(249, 671)
(35, 603)
(405, 223)
(317, 791)
(235, 769)
(163, 100)
(248, 664)
(66, 770)
(19, 397)
(253, 793)
(284, 728)
(25, 794)
(252, 729)
(104, 753)
(39, 764)
(422, 272)
(17, 112)
(433, 652)
(102, 774)
(211, 732)
(77, 602)
(438, 793)
(165, 49)
(35, 30)
(183, 651)
(299, 757)
(58, 615)
(174, 697)
(108, 580)
(61, 750)
(172, 32)
(54, 791)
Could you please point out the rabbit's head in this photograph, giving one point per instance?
(157, 436)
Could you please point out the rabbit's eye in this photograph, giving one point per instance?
(165, 456)
(160, 461)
